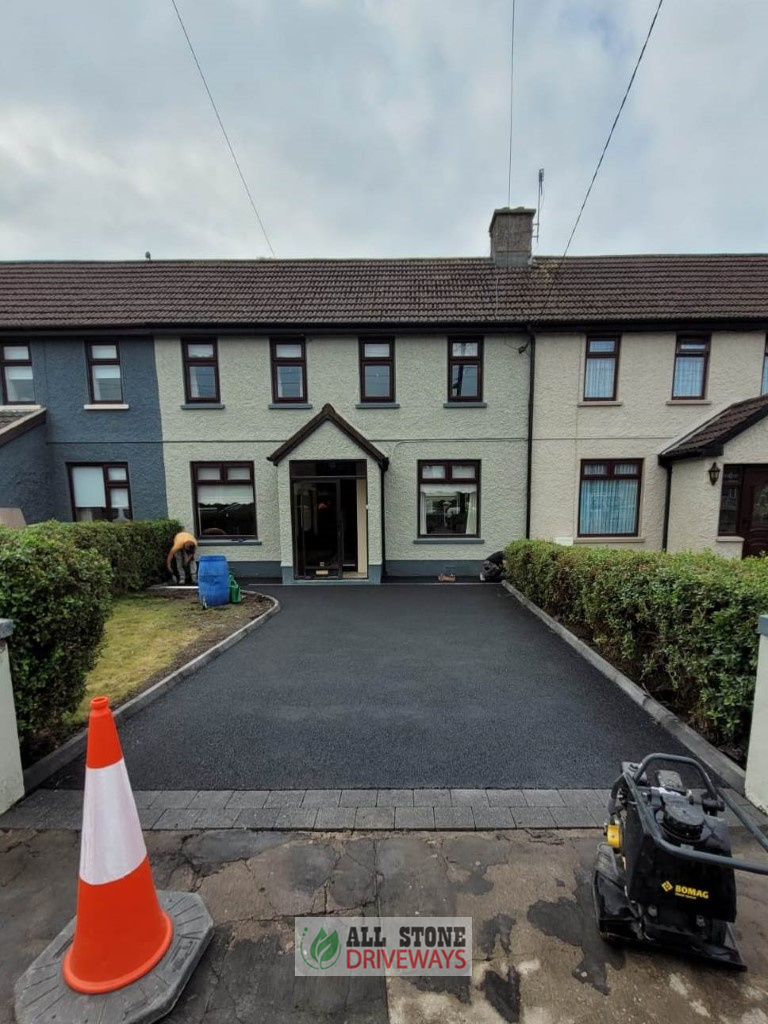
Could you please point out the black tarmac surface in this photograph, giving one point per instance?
(391, 686)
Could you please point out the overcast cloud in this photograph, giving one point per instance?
(377, 127)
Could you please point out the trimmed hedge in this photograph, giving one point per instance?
(59, 599)
(682, 625)
(136, 551)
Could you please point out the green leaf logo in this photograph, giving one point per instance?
(324, 951)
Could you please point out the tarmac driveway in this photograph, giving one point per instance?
(390, 686)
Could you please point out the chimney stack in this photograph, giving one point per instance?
(512, 236)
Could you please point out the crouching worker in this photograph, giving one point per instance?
(493, 568)
(181, 559)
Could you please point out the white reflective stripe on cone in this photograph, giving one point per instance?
(112, 845)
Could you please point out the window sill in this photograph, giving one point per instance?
(107, 407)
(290, 405)
(209, 542)
(608, 539)
(465, 405)
(377, 405)
(586, 404)
(729, 539)
(449, 540)
(203, 405)
(689, 401)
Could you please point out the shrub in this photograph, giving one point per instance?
(136, 551)
(58, 597)
(683, 625)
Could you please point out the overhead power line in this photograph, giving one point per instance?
(223, 129)
(600, 162)
(511, 99)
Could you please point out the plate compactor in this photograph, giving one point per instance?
(665, 876)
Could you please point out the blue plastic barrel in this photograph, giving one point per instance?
(213, 580)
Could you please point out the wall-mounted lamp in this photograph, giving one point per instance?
(714, 473)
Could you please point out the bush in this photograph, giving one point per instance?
(58, 597)
(683, 625)
(136, 551)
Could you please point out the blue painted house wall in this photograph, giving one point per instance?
(76, 434)
(25, 475)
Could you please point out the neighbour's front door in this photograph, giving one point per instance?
(754, 511)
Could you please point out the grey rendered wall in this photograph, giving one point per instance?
(77, 434)
(25, 475)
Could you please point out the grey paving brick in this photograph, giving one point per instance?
(149, 815)
(395, 798)
(574, 817)
(432, 798)
(543, 798)
(375, 817)
(242, 798)
(208, 798)
(506, 798)
(285, 798)
(23, 817)
(454, 818)
(335, 817)
(216, 817)
(583, 797)
(177, 818)
(296, 817)
(358, 798)
(174, 798)
(414, 817)
(145, 797)
(466, 797)
(56, 797)
(493, 817)
(62, 817)
(533, 817)
(257, 817)
(321, 798)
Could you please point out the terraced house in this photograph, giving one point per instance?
(326, 420)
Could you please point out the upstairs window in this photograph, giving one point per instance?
(201, 371)
(764, 388)
(104, 375)
(289, 371)
(600, 373)
(609, 498)
(225, 504)
(449, 497)
(691, 360)
(377, 370)
(18, 385)
(465, 370)
(100, 492)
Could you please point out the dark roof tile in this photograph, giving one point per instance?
(709, 438)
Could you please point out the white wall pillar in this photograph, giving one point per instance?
(11, 778)
(756, 787)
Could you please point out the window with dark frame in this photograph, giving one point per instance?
(18, 385)
(601, 369)
(104, 372)
(691, 363)
(377, 370)
(100, 491)
(201, 370)
(730, 501)
(764, 387)
(449, 498)
(289, 371)
(465, 369)
(224, 499)
(609, 498)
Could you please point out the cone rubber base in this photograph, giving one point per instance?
(43, 996)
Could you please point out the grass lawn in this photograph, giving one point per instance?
(147, 637)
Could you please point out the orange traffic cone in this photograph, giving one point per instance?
(120, 930)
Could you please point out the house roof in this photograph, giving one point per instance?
(328, 414)
(14, 422)
(296, 293)
(710, 437)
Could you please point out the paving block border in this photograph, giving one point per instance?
(713, 758)
(75, 746)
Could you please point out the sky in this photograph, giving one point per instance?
(378, 128)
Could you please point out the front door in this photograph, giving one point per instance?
(754, 511)
(318, 542)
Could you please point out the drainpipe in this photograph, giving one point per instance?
(667, 499)
(382, 471)
(529, 469)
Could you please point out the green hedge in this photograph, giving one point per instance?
(683, 625)
(136, 551)
(58, 597)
